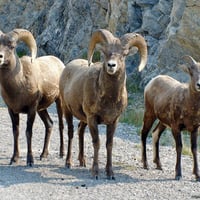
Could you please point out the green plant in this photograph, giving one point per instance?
(21, 53)
(133, 116)
(96, 56)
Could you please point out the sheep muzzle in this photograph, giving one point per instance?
(111, 67)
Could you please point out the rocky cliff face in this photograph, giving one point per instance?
(63, 28)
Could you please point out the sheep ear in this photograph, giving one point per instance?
(185, 68)
(189, 62)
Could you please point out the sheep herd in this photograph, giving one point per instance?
(95, 93)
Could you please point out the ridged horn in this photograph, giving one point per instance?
(27, 37)
(102, 36)
(133, 39)
(189, 60)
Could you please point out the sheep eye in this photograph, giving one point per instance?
(10, 45)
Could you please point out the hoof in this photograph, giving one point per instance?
(178, 178)
(145, 166)
(159, 168)
(30, 164)
(68, 166)
(61, 155)
(43, 155)
(13, 162)
(82, 163)
(111, 178)
(198, 179)
(29, 160)
(14, 159)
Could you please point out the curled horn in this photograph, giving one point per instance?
(27, 37)
(100, 36)
(132, 39)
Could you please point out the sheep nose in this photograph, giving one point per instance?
(1, 58)
(111, 65)
(198, 85)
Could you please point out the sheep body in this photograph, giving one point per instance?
(29, 85)
(96, 93)
(79, 75)
(37, 79)
(175, 105)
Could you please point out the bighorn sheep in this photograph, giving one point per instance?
(97, 94)
(29, 85)
(176, 105)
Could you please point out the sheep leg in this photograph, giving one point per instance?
(109, 144)
(48, 128)
(15, 126)
(178, 141)
(93, 126)
(157, 132)
(194, 136)
(69, 120)
(81, 130)
(61, 126)
(148, 122)
(29, 133)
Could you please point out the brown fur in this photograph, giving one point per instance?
(95, 95)
(29, 86)
(175, 105)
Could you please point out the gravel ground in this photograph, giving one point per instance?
(49, 179)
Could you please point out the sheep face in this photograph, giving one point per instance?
(7, 48)
(114, 62)
(194, 71)
(114, 58)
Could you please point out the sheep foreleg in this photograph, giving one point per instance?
(92, 124)
(30, 120)
(178, 141)
(109, 144)
(15, 125)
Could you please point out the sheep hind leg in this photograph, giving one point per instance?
(147, 124)
(69, 120)
(61, 126)
(194, 136)
(157, 132)
(109, 144)
(15, 126)
(48, 128)
(81, 130)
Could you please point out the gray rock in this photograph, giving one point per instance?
(63, 28)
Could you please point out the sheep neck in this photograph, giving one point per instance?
(111, 86)
(194, 96)
(11, 77)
